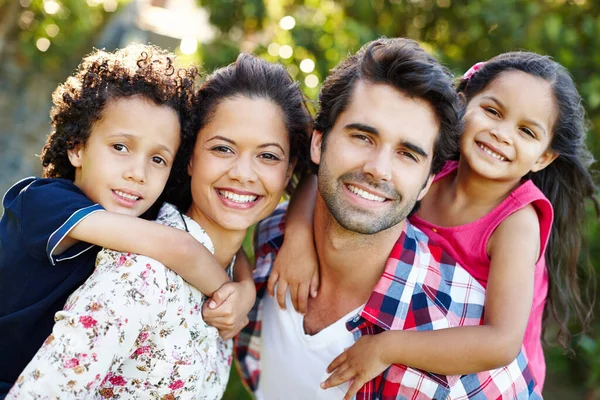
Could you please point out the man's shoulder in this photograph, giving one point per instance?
(270, 231)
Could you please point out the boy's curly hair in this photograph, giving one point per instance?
(136, 70)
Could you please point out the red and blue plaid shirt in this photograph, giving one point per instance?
(422, 288)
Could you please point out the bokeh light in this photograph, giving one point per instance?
(311, 80)
(42, 44)
(286, 51)
(51, 7)
(288, 22)
(273, 49)
(307, 65)
(188, 45)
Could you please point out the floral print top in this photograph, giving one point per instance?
(133, 330)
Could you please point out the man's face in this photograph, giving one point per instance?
(375, 162)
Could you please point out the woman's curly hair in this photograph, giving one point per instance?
(146, 71)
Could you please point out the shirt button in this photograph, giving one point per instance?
(433, 229)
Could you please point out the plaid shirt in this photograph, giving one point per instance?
(422, 288)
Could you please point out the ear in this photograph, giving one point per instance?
(290, 170)
(426, 187)
(316, 144)
(76, 155)
(190, 165)
(544, 160)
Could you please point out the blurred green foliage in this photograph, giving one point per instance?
(50, 36)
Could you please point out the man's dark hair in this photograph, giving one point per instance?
(404, 65)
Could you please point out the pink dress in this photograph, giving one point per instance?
(468, 243)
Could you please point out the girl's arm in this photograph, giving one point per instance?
(296, 264)
(229, 307)
(175, 248)
(514, 250)
(98, 328)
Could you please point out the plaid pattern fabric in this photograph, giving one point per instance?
(422, 288)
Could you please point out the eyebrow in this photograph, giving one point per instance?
(372, 130)
(134, 137)
(219, 137)
(530, 121)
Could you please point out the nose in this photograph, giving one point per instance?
(501, 134)
(243, 169)
(136, 170)
(379, 165)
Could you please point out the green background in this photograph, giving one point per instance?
(459, 33)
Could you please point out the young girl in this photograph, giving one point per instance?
(136, 329)
(522, 153)
(117, 126)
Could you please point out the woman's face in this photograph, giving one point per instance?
(240, 165)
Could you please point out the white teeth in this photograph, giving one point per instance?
(236, 197)
(491, 153)
(126, 196)
(365, 195)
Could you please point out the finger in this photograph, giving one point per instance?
(224, 310)
(221, 295)
(294, 295)
(354, 388)
(302, 298)
(337, 362)
(271, 283)
(314, 284)
(338, 377)
(281, 288)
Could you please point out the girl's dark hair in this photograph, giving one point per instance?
(405, 66)
(137, 70)
(253, 78)
(566, 182)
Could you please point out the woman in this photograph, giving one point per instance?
(135, 329)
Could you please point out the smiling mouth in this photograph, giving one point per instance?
(490, 152)
(365, 195)
(126, 196)
(238, 198)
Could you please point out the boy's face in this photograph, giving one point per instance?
(126, 161)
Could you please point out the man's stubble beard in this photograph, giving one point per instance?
(351, 217)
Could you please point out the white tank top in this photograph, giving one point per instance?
(293, 363)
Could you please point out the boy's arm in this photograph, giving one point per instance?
(514, 250)
(229, 307)
(296, 264)
(175, 248)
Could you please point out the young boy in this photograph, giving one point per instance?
(118, 123)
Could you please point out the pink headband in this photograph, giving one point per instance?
(472, 70)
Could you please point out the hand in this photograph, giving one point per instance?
(227, 310)
(295, 266)
(360, 363)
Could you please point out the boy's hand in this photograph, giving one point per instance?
(360, 363)
(227, 310)
(295, 266)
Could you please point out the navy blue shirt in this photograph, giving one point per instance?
(34, 282)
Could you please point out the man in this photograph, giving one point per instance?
(388, 118)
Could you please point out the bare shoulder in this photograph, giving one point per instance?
(519, 230)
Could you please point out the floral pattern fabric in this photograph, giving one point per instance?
(133, 330)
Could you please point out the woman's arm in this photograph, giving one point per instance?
(296, 264)
(514, 250)
(175, 248)
(98, 328)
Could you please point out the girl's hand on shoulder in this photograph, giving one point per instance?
(227, 310)
(359, 363)
(296, 267)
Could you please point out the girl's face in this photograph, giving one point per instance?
(508, 127)
(240, 165)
